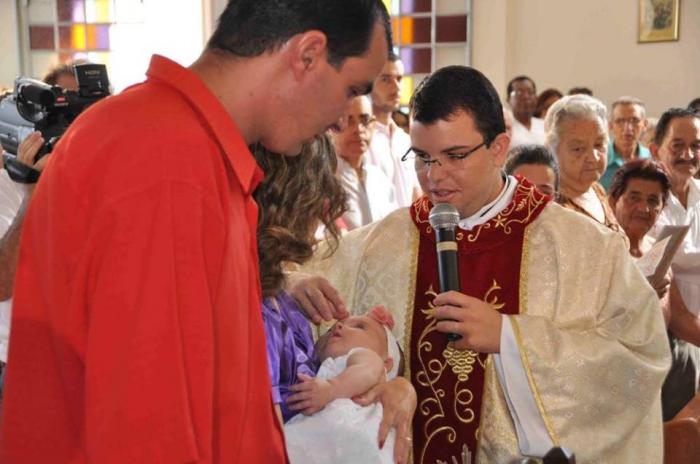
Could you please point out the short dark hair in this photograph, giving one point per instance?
(62, 69)
(249, 28)
(646, 169)
(665, 121)
(509, 89)
(695, 105)
(580, 90)
(459, 88)
(532, 154)
(542, 98)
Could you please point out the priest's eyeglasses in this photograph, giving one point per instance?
(454, 157)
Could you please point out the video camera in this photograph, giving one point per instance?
(49, 109)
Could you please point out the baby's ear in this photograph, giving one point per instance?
(388, 363)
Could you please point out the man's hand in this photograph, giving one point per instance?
(27, 150)
(477, 322)
(317, 297)
(312, 395)
(661, 287)
(398, 399)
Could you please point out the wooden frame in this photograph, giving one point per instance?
(658, 20)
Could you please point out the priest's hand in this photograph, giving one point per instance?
(475, 320)
(398, 398)
(317, 297)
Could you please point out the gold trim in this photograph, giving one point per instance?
(447, 246)
(488, 378)
(408, 320)
(503, 220)
(518, 336)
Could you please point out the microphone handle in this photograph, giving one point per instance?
(448, 265)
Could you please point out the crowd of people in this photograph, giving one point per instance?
(234, 274)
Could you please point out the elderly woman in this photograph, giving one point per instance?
(576, 132)
(638, 193)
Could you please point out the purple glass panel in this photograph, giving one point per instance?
(416, 60)
(98, 37)
(41, 38)
(71, 10)
(415, 6)
(451, 29)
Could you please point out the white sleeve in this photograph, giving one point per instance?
(533, 438)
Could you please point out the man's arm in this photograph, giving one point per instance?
(9, 252)
(683, 324)
(9, 243)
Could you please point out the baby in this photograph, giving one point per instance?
(357, 354)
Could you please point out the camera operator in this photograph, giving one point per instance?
(63, 75)
(14, 199)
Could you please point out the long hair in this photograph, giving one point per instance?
(297, 194)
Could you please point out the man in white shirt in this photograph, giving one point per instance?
(390, 142)
(677, 146)
(522, 98)
(370, 192)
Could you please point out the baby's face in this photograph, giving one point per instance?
(353, 332)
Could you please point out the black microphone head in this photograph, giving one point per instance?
(443, 215)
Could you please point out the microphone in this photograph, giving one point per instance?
(444, 219)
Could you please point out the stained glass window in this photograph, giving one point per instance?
(123, 34)
(429, 34)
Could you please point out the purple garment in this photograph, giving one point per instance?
(290, 347)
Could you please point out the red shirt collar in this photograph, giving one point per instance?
(198, 95)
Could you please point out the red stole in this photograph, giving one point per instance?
(449, 383)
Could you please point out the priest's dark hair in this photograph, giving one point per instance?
(459, 88)
(297, 194)
(249, 28)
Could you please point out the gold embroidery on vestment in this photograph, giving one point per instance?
(461, 363)
(524, 263)
(503, 221)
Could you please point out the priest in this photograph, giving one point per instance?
(562, 342)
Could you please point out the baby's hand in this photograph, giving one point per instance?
(312, 394)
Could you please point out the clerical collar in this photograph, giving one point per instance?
(490, 210)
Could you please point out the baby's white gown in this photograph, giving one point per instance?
(341, 433)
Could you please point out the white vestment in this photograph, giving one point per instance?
(589, 331)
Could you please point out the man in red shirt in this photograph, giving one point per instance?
(136, 334)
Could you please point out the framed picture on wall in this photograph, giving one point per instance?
(658, 20)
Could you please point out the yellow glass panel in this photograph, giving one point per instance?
(406, 90)
(406, 31)
(77, 37)
(99, 11)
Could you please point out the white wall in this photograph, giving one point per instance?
(591, 43)
(9, 52)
